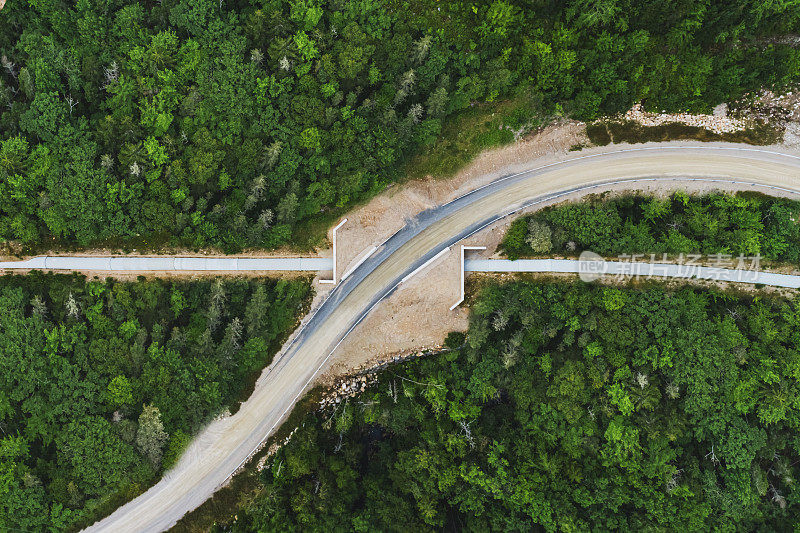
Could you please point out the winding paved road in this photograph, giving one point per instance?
(226, 444)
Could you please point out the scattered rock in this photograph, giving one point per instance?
(358, 382)
(272, 450)
(777, 109)
(791, 135)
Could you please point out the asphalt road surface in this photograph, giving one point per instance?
(219, 450)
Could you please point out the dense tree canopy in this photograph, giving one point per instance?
(102, 383)
(227, 122)
(714, 224)
(568, 407)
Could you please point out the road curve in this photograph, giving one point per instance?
(226, 444)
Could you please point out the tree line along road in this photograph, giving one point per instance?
(226, 444)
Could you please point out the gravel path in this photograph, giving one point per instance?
(170, 264)
(628, 270)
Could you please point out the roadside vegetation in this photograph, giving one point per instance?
(567, 406)
(604, 132)
(468, 133)
(229, 124)
(741, 224)
(103, 384)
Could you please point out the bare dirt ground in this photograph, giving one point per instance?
(416, 317)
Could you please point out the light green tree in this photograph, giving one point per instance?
(539, 237)
(151, 437)
(120, 391)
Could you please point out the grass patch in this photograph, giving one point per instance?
(598, 133)
(312, 232)
(602, 133)
(472, 131)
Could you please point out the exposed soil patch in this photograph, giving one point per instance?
(416, 317)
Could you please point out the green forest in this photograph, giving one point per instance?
(102, 384)
(566, 407)
(742, 224)
(236, 124)
(227, 123)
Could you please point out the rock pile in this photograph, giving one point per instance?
(778, 108)
(358, 382)
(791, 135)
(716, 124)
(346, 388)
